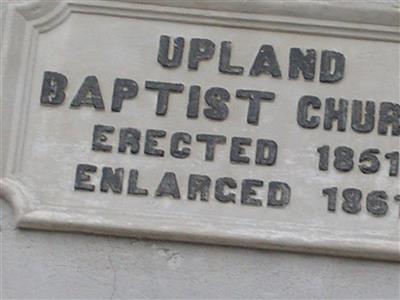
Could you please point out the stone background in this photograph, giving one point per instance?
(38, 265)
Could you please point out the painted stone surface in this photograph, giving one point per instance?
(176, 124)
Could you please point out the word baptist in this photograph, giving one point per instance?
(336, 112)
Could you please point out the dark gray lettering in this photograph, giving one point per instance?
(133, 188)
(151, 142)
(326, 74)
(168, 186)
(255, 98)
(81, 177)
(272, 149)
(163, 57)
(164, 89)
(193, 104)
(219, 189)
(199, 183)
(352, 200)
(389, 115)
(369, 161)
(111, 179)
(248, 191)
(89, 94)
(225, 58)
(376, 203)
(211, 142)
(99, 137)
(216, 97)
(129, 137)
(200, 49)
(276, 188)
(357, 116)
(53, 88)
(331, 114)
(266, 54)
(300, 62)
(302, 112)
(123, 89)
(237, 151)
(175, 140)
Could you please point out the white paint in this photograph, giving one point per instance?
(44, 196)
(40, 264)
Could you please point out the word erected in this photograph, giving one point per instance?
(266, 150)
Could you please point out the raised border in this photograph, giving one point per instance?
(25, 21)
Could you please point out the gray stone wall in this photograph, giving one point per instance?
(40, 265)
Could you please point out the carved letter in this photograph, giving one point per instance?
(151, 142)
(200, 49)
(326, 65)
(255, 98)
(216, 98)
(219, 189)
(300, 62)
(248, 191)
(212, 141)
(163, 51)
(168, 186)
(164, 89)
(175, 139)
(193, 104)
(199, 183)
(129, 137)
(99, 137)
(89, 94)
(275, 188)
(389, 115)
(53, 88)
(225, 58)
(111, 179)
(272, 147)
(123, 89)
(266, 54)
(133, 189)
(237, 150)
(357, 116)
(331, 114)
(302, 111)
(81, 177)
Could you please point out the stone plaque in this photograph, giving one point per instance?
(257, 125)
